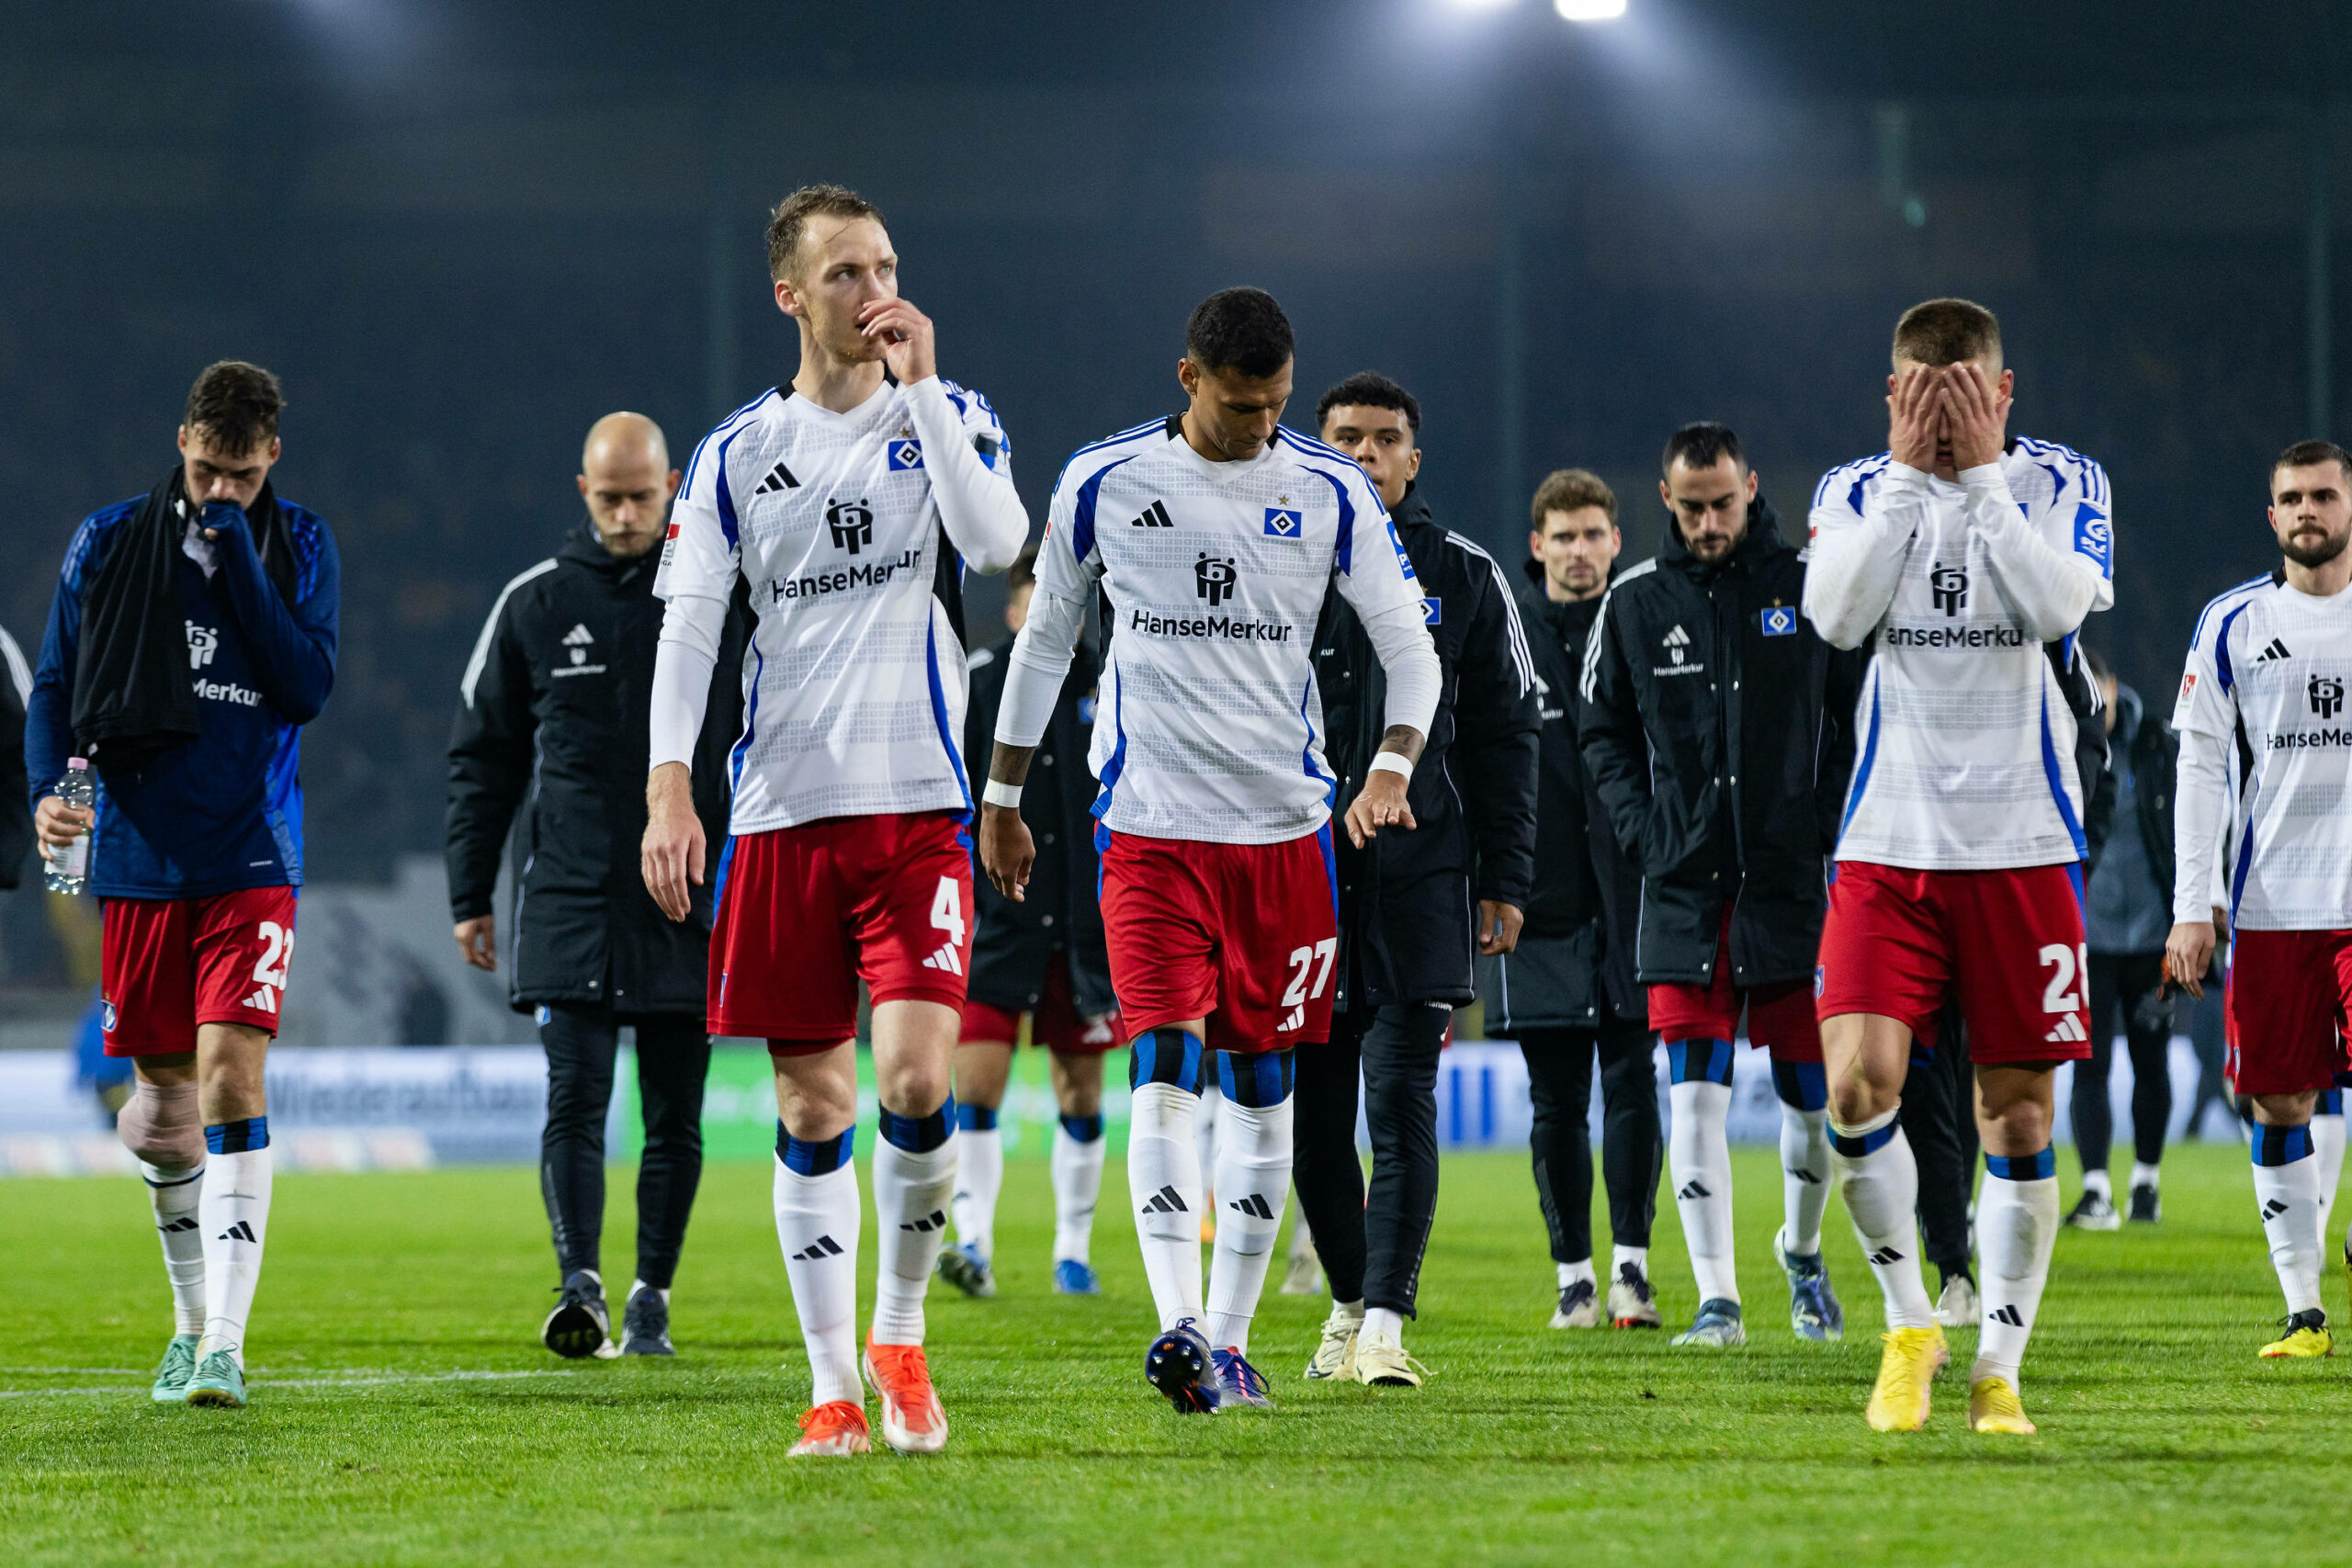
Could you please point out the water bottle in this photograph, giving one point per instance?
(69, 868)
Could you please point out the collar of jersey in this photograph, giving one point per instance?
(1222, 473)
(794, 403)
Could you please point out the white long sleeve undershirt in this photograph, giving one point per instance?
(978, 506)
(2199, 827)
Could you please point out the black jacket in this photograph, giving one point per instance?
(1584, 880)
(1013, 943)
(1719, 729)
(2155, 774)
(553, 720)
(15, 812)
(1407, 926)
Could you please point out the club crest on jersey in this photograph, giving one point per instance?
(2094, 536)
(1950, 586)
(1433, 611)
(1213, 578)
(906, 452)
(106, 1017)
(1781, 620)
(851, 524)
(2327, 693)
(1285, 522)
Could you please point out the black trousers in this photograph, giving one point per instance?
(2132, 984)
(1371, 1246)
(1940, 1121)
(673, 1059)
(1632, 1141)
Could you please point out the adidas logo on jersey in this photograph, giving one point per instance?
(1154, 516)
(816, 1251)
(946, 958)
(1675, 642)
(2070, 1029)
(242, 1231)
(936, 1221)
(1884, 1256)
(2007, 1315)
(1253, 1204)
(1165, 1202)
(2276, 649)
(579, 637)
(778, 478)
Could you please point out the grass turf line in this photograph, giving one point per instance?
(2164, 1440)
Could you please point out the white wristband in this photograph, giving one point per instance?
(999, 793)
(1389, 762)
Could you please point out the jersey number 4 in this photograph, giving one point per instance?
(947, 917)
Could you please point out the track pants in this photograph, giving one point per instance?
(673, 1059)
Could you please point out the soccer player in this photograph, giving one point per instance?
(1215, 535)
(1568, 993)
(2265, 680)
(1971, 558)
(1715, 725)
(1044, 956)
(551, 724)
(197, 835)
(849, 856)
(1416, 909)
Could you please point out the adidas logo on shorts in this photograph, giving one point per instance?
(945, 958)
(2070, 1029)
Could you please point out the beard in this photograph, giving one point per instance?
(2311, 555)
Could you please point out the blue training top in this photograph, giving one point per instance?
(223, 811)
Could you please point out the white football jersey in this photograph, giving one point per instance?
(854, 685)
(1209, 725)
(1965, 744)
(2264, 690)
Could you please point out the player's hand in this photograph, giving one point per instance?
(1007, 851)
(909, 347)
(1499, 926)
(1380, 803)
(1912, 411)
(2188, 955)
(222, 519)
(58, 825)
(478, 942)
(673, 847)
(1978, 416)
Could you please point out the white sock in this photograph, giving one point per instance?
(2327, 1149)
(2017, 1226)
(1881, 1181)
(911, 1189)
(1211, 1102)
(979, 1177)
(1571, 1272)
(2096, 1182)
(1699, 1154)
(235, 1215)
(1252, 1183)
(175, 1194)
(1639, 1256)
(1164, 1183)
(2288, 1197)
(817, 1220)
(1078, 1186)
(1804, 1178)
(1382, 1327)
(2144, 1175)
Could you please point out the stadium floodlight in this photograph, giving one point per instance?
(1589, 10)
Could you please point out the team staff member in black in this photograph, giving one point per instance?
(553, 723)
(1045, 957)
(1717, 725)
(1407, 920)
(1568, 992)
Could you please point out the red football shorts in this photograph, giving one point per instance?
(806, 912)
(1780, 1018)
(2008, 944)
(167, 965)
(2288, 993)
(1243, 935)
(1054, 1021)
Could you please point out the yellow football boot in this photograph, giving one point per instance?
(1906, 1373)
(2307, 1339)
(1993, 1407)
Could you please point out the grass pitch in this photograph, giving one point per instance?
(402, 1412)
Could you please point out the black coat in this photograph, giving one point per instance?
(553, 722)
(1408, 927)
(15, 812)
(1719, 730)
(1584, 880)
(1013, 943)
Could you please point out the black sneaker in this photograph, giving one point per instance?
(645, 1324)
(578, 1325)
(2147, 1207)
(2093, 1212)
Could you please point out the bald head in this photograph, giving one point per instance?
(626, 481)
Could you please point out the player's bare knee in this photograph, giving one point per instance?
(1078, 1084)
(2284, 1110)
(914, 1083)
(161, 1125)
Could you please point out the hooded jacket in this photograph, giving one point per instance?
(1718, 728)
(1407, 911)
(550, 740)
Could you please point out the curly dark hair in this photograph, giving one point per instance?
(1370, 389)
(234, 405)
(1240, 330)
